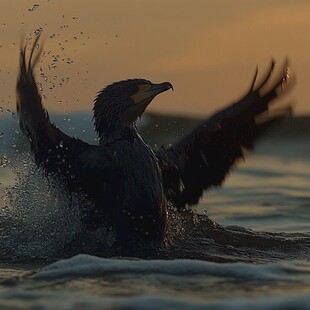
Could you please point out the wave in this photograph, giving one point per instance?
(83, 265)
(105, 278)
(72, 300)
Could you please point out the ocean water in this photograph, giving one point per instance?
(246, 245)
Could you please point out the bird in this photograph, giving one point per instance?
(131, 185)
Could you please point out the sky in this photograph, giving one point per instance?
(208, 49)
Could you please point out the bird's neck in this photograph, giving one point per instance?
(127, 133)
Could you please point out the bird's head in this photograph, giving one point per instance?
(118, 105)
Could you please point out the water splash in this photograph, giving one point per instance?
(37, 218)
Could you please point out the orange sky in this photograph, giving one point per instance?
(207, 49)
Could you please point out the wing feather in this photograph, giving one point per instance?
(71, 159)
(204, 157)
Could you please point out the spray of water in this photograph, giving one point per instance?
(38, 219)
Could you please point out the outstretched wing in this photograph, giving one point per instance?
(70, 158)
(204, 157)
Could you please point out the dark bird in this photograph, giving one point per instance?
(131, 184)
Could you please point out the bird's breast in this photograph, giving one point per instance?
(141, 177)
(135, 192)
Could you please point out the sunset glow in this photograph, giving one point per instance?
(207, 49)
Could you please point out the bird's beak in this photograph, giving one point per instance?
(149, 91)
(142, 98)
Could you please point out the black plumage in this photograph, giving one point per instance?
(130, 183)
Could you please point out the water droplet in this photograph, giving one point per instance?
(61, 144)
(34, 7)
(38, 31)
(1, 134)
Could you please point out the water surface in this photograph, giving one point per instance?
(247, 246)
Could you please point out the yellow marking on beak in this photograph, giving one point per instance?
(144, 87)
(149, 91)
(142, 93)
